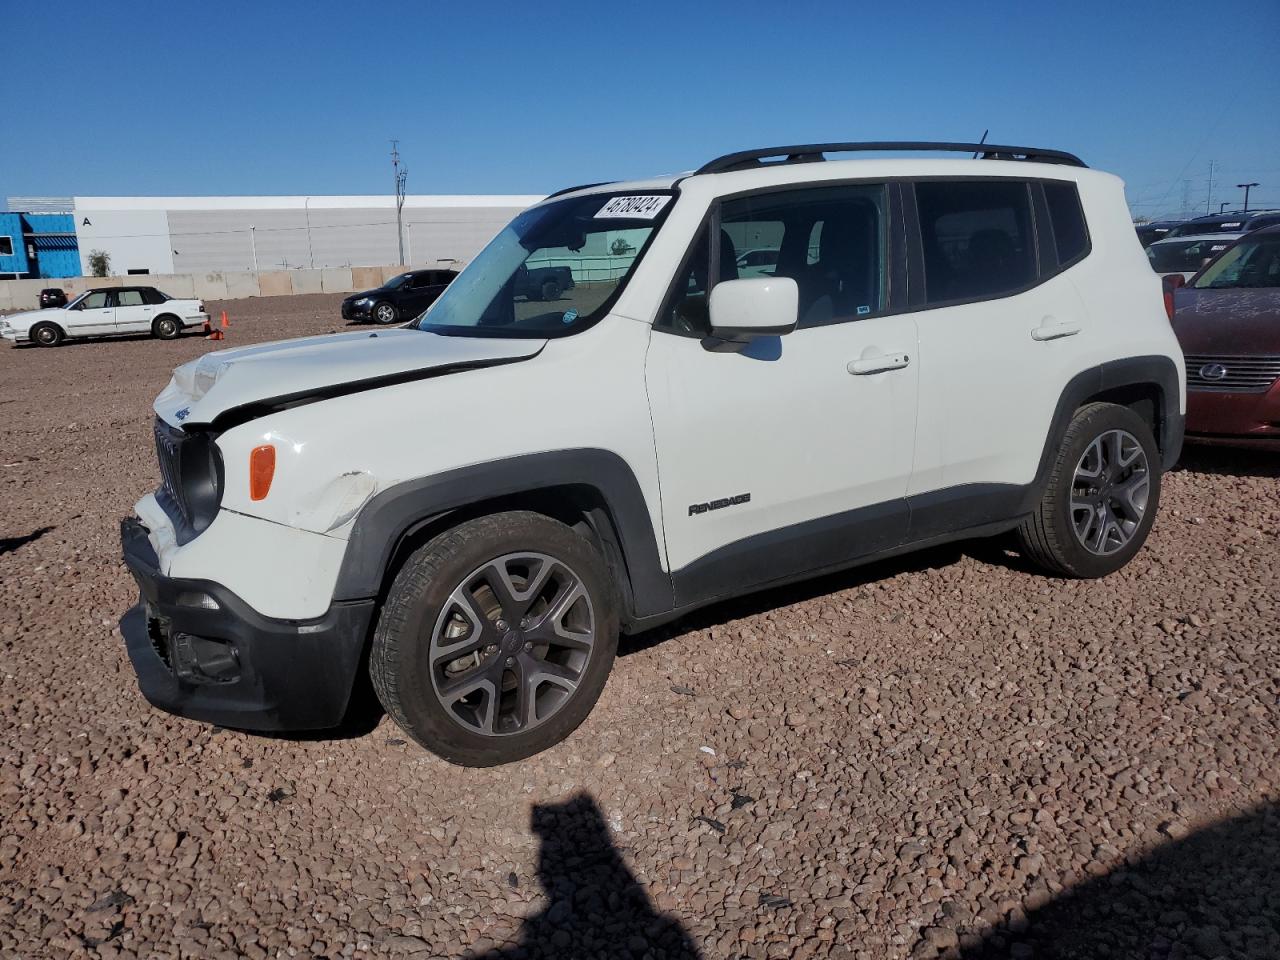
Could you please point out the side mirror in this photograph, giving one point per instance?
(756, 307)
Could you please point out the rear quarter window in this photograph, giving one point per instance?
(1070, 233)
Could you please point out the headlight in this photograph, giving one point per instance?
(364, 302)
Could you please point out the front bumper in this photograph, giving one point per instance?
(1235, 417)
(228, 664)
(353, 311)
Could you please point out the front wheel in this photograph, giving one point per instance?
(496, 638)
(385, 313)
(47, 334)
(1101, 496)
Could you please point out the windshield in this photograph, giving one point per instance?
(76, 300)
(1184, 256)
(1254, 262)
(553, 271)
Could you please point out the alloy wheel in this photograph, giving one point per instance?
(1109, 492)
(385, 313)
(511, 644)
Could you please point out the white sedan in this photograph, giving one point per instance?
(103, 312)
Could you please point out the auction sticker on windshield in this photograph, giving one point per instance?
(644, 207)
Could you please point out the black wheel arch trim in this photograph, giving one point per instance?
(1144, 371)
(398, 511)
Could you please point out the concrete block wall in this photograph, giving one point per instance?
(238, 285)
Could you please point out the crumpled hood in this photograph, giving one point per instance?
(313, 368)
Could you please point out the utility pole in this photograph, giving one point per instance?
(1246, 187)
(1186, 199)
(1209, 196)
(401, 175)
(253, 243)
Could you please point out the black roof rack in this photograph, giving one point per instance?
(815, 152)
(581, 186)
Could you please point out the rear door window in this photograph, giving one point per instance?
(977, 238)
(129, 298)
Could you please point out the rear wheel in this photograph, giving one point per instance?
(1101, 497)
(166, 328)
(551, 290)
(384, 312)
(496, 638)
(47, 334)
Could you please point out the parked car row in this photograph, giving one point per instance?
(1234, 222)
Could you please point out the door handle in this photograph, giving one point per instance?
(1050, 329)
(878, 364)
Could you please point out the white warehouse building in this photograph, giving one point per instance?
(164, 235)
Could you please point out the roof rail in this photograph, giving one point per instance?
(814, 152)
(581, 186)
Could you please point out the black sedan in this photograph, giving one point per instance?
(52, 297)
(401, 298)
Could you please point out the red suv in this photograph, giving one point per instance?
(1228, 322)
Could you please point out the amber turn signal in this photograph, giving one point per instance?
(262, 468)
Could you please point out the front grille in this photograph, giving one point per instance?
(169, 452)
(1232, 374)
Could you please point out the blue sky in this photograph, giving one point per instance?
(265, 98)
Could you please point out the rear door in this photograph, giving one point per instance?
(1002, 331)
(133, 313)
(93, 315)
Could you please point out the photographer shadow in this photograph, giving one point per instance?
(597, 907)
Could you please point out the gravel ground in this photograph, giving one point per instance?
(944, 755)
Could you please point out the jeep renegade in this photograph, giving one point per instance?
(472, 506)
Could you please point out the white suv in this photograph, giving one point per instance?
(472, 506)
(105, 312)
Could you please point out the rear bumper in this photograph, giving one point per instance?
(1246, 416)
(201, 652)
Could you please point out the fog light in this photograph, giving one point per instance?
(203, 601)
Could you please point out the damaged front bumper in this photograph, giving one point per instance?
(202, 652)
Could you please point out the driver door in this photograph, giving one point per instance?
(95, 314)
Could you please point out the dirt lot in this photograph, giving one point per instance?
(945, 755)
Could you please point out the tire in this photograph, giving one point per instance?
(465, 703)
(1088, 522)
(167, 327)
(550, 290)
(384, 313)
(46, 334)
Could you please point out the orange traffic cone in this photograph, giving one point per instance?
(225, 323)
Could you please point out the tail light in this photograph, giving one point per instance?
(262, 469)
